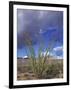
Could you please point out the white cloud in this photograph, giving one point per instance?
(58, 52)
(58, 48)
(25, 57)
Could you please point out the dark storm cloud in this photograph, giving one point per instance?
(35, 23)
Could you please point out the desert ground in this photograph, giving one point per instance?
(24, 72)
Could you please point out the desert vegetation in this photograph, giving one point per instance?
(40, 67)
(52, 69)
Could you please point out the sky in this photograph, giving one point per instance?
(42, 27)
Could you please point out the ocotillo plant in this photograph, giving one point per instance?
(37, 64)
